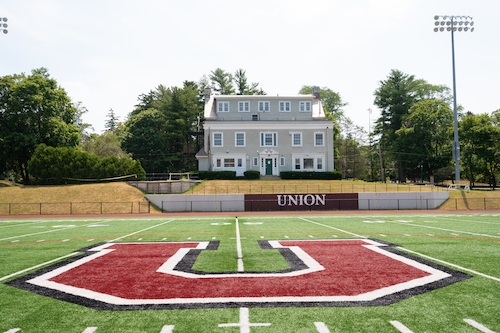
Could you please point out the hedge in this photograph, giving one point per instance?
(311, 175)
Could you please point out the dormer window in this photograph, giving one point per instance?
(305, 106)
(222, 106)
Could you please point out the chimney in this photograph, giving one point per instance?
(315, 91)
(208, 92)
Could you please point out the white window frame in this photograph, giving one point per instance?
(264, 106)
(282, 161)
(285, 106)
(221, 139)
(318, 162)
(264, 136)
(222, 106)
(305, 106)
(255, 161)
(299, 144)
(229, 163)
(236, 139)
(244, 106)
(322, 139)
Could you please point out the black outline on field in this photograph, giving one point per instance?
(188, 261)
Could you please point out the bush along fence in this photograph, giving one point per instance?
(75, 208)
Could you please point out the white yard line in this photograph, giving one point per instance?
(400, 327)
(38, 266)
(477, 325)
(449, 264)
(90, 330)
(37, 233)
(239, 250)
(142, 230)
(321, 327)
(327, 226)
(444, 229)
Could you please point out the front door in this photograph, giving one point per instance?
(269, 166)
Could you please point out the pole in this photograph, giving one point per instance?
(456, 142)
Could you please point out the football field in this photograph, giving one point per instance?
(383, 272)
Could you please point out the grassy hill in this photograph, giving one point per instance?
(121, 192)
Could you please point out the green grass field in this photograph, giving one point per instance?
(468, 243)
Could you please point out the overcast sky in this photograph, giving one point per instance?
(105, 53)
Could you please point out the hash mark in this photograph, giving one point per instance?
(167, 329)
(400, 327)
(321, 327)
(90, 330)
(477, 325)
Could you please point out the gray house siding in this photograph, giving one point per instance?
(269, 134)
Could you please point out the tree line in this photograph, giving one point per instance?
(411, 140)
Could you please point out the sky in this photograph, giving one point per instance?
(105, 53)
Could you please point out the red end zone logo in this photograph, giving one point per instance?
(137, 276)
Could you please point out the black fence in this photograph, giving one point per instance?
(75, 208)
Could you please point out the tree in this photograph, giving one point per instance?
(480, 137)
(425, 135)
(222, 82)
(243, 87)
(33, 110)
(112, 121)
(105, 145)
(394, 97)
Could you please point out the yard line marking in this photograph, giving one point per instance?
(477, 325)
(37, 266)
(14, 330)
(239, 250)
(90, 330)
(37, 233)
(321, 327)
(444, 229)
(142, 230)
(400, 327)
(327, 226)
(244, 323)
(449, 264)
(167, 329)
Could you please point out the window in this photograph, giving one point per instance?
(222, 106)
(268, 139)
(285, 106)
(218, 163)
(217, 139)
(297, 139)
(282, 161)
(297, 164)
(244, 106)
(239, 139)
(264, 106)
(229, 163)
(255, 161)
(318, 139)
(320, 163)
(308, 163)
(240, 162)
(305, 106)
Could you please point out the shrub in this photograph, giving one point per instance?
(251, 174)
(222, 175)
(311, 175)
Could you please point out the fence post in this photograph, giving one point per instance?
(40, 208)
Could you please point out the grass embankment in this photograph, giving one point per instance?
(72, 199)
(122, 198)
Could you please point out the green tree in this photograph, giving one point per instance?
(104, 145)
(480, 137)
(242, 86)
(222, 81)
(394, 97)
(33, 110)
(426, 135)
(112, 122)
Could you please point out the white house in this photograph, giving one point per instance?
(266, 133)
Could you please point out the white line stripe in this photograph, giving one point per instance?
(167, 329)
(327, 226)
(37, 266)
(37, 233)
(444, 229)
(14, 330)
(477, 325)
(90, 330)
(400, 327)
(239, 250)
(450, 264)
(133, 233)
(321, 327)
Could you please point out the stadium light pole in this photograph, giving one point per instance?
(4, 25)
(453, 24)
